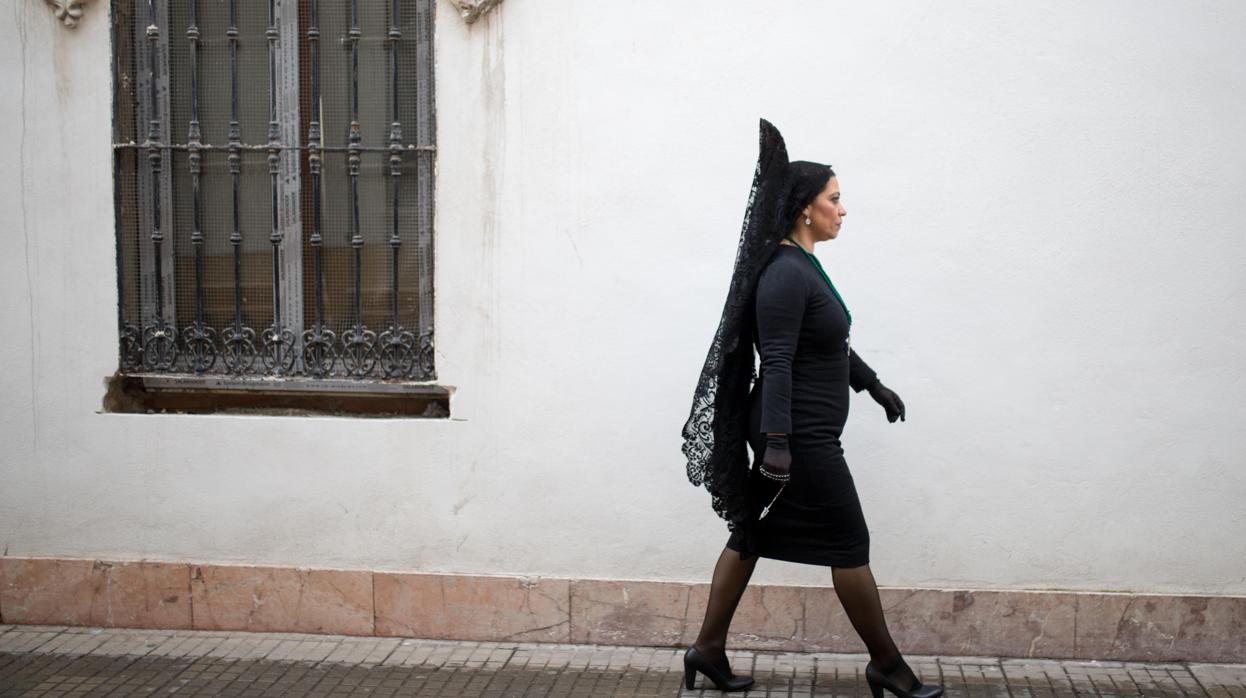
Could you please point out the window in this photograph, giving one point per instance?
(274, 167)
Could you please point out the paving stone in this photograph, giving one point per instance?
(61, 661)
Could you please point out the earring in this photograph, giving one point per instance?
(807, 221)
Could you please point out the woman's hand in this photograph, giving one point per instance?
(776, 462)
(889, 400)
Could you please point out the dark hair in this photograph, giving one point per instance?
(804, 180)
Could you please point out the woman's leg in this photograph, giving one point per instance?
(731, 576)
(858, 593)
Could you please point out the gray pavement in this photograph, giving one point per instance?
(75, 661)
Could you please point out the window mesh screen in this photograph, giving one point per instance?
(187, 301)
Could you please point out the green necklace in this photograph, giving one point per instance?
(818, 266)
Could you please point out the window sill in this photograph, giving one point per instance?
(142, 393)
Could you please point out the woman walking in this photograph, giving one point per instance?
(798, 503)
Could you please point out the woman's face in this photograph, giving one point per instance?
(825, 213)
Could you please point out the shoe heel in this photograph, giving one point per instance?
(690, 676)
(874, 680)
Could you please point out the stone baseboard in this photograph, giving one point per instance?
(1050, 624)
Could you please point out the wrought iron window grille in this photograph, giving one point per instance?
(339, 291)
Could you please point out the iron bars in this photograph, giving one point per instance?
(397, 344)
(359, 342)
(239, 338)
(159, 337)
(338, 205)
(278, 340)
(319, 353)
(200, 339)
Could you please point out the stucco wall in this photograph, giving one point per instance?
(1043, 256)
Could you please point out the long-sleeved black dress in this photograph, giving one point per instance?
(803, 391)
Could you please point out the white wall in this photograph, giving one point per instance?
(1043, 254)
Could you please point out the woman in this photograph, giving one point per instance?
(798, 503)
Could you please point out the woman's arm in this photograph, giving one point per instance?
(780, 307)
(860, 375)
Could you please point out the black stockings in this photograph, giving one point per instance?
(731, 576)
(858, 593)
(855, 587)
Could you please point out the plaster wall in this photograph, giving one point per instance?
(1043, 256)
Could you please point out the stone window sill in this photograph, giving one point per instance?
(294, 397)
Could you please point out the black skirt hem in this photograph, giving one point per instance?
(845, 561)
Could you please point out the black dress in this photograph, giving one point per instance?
(803, 391)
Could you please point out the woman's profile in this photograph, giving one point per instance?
(797, 502)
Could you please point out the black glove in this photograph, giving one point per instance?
(889, 400)
(776, 462)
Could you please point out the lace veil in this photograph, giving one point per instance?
(716, 433)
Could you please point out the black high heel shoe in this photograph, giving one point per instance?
(694, 661)
(878, 681)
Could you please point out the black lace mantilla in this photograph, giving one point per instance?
(716, 433)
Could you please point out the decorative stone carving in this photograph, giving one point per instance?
(68, 11)
(472, 10)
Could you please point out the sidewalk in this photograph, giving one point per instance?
(56, 661)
